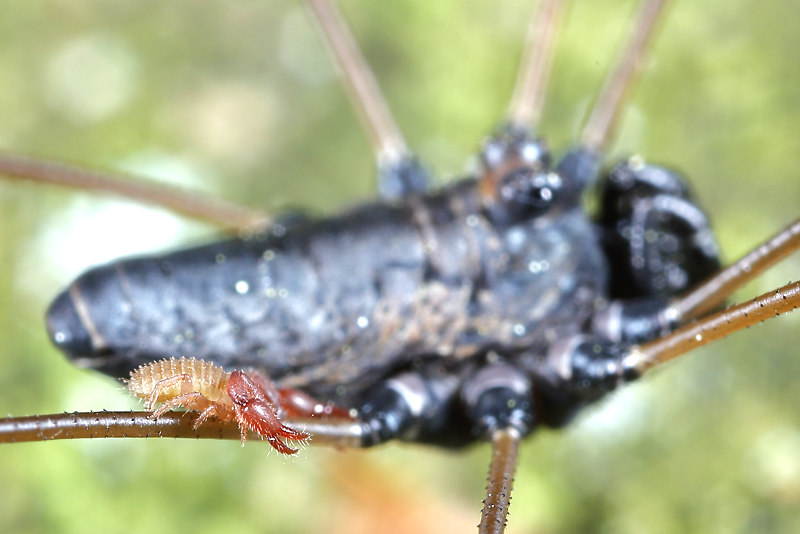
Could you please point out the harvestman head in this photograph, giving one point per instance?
(394, 159)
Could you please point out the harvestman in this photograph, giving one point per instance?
(392, 153)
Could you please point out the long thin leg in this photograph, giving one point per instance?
(192, 400)
(159, 387)
(192, 204)
(715, 327)
(512, 145)
(505, 449)
(528, 98)
(82, 425)
(398, 171)
(713, 292)
(604, 115)
(359, 81)
(708, 296)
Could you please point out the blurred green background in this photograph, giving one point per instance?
(238, 99)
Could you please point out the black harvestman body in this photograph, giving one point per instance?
(744, 221)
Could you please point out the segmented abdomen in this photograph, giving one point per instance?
(207, 379)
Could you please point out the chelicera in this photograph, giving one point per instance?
(525, 190)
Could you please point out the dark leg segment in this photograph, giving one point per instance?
(402, 177)
(656, 238)
(498, 400)
(636, 320)
(410, 407)
(579, 371)
(497, 397)
(448, 410)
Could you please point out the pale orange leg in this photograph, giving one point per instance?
(299, 404)
(296, 403)
(161, 385)
(191, 401)
(223, 413)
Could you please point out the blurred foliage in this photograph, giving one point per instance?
(238, 99)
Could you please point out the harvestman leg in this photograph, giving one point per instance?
(582, 161)
(190, 203)
(523, 115)
(399, 172)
